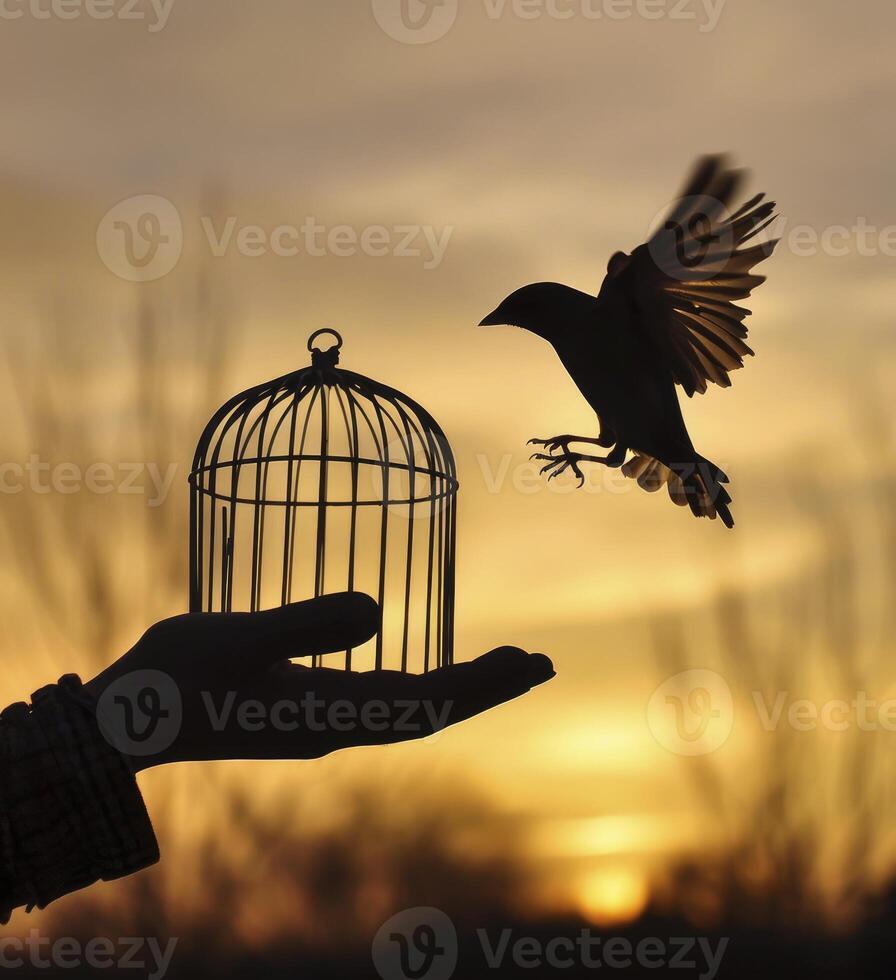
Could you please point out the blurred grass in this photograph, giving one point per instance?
(803, 830)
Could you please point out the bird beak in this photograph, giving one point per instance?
(495, 319)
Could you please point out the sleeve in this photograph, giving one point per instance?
(70, 810)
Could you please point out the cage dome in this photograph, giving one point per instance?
(322, 481)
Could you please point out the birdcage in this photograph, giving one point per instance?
(323, 481)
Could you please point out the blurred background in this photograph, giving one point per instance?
(188, 191)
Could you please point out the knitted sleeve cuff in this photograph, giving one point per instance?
(70, 810)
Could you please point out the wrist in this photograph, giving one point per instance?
(72, 812)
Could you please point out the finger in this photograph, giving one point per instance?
(336, 709)
(491, 680)
(328, 624)
(411, 706)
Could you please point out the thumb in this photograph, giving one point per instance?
(327, 624)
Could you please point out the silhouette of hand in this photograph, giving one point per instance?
(220, 686)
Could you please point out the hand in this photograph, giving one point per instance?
(221, 686)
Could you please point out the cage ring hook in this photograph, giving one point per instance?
(321, 333)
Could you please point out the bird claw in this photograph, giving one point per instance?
(553, 445)
(556, 465)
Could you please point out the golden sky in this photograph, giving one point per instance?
(532, 148)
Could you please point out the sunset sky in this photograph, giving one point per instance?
(522, 148)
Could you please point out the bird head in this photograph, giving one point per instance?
(544, 308)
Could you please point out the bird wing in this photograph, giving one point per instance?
(682, 284)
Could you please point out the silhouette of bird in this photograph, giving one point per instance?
(665, 315)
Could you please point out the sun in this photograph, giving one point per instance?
(613, 896)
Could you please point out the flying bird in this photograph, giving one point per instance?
(665, 315)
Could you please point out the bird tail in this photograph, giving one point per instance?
(704, 491)
(698, 484)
